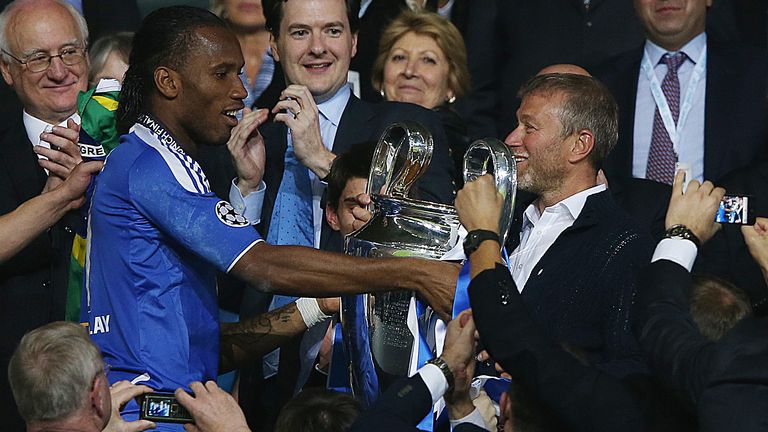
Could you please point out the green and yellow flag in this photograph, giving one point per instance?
(98, 136)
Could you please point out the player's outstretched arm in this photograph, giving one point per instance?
(302, 271)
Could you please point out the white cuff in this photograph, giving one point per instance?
(249, 205)
(677, 250)
(435, 380)
(474, 417)
(310, 311)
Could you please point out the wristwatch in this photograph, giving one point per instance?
(681, 231)
(443, 365)
(475, 237)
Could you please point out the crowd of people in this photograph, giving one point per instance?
(209, 239)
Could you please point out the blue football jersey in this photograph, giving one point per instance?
(156, 236)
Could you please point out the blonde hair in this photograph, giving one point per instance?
(445, 34)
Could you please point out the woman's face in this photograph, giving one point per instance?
(244, 13)
(416, 71)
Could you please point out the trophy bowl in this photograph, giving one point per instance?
(381, 332)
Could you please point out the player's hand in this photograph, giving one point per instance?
(246, 145)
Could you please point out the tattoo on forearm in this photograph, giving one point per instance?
(247, 340)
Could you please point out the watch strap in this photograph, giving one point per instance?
(443, 365)
(682, 232)
(475, 238)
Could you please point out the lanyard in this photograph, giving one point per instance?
(661, 101)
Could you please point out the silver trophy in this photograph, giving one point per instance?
(377, 337)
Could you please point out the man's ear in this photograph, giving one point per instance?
(332, 217)
(582, 147)
(273, 46)
(100, 398)
(168, 82)
(354, 45)
(5, 69)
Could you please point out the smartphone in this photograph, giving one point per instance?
(736, 209)
(163, 408)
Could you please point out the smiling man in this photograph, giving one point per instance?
(157, 233)
(685, 97)
(577, 253)
(43, 60)
(317, 118)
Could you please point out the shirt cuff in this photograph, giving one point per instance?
(250, 205)
(474, 417)
(435, 380)
(679, 251)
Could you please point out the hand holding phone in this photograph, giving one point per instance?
(163, 408)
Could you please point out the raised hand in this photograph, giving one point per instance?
(479, 204)
(297, 109)
(64, 154)
(695, 208)
(246, 146)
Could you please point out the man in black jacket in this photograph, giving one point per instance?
(38, 149)
(574, 253)
(725, 381)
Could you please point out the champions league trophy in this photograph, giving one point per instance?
(385, 334)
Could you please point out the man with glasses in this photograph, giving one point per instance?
(43, 60)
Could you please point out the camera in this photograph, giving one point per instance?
(164, 408)
(735, 209)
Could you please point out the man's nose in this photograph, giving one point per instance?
(238, 91)
(317, 42)
(514, 139)
(57, 70)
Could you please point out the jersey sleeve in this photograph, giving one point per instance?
(173, 194)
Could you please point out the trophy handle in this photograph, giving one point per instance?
(491, 156)
(402, 155)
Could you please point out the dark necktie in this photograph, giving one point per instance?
(662, 157)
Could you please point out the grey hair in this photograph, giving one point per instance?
(52, 371)
(9, 12)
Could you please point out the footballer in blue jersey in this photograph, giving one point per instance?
(157, 235)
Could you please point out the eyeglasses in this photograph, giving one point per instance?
(41, 61)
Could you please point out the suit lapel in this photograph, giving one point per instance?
(625, 92)
(352, 126)
(720, 71)
(21, 163)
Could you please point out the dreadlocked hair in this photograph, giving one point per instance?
(165, 38)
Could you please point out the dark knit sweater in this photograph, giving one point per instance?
(581, 291)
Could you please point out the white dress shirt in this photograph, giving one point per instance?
(691, 136)
(437, 384)
(539, 232)
(676, 250)
(35, 127)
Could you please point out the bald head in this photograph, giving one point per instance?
(564, 69)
